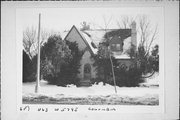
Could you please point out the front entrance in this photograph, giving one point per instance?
(87, 71)
(86, 81)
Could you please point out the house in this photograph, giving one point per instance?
(121, 41)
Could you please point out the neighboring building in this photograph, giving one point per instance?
(121, 41)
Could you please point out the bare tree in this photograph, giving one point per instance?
(43, 38)
(147, 33)
(30, 40)
(107, 22)
(125, 22)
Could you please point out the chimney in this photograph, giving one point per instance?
(133, 35)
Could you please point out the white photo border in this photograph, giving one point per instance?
(157, 111)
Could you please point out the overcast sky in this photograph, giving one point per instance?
(60, 19)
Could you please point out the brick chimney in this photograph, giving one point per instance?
(134, 34)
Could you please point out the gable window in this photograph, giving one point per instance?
(113, 46)
(118, 47)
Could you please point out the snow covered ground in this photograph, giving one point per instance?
(96, 94)
(152, 81)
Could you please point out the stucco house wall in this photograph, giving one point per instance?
(86, 59)
(75, 35)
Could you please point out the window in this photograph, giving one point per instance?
(118, 47)
(87, 68)
(113, 46)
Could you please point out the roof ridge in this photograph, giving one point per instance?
(105, 29)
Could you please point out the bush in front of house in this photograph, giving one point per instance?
(103, 65)
(142, 64)
(128, 76)
(60, 61)
(54, 54)
(147, 61)
(72, 68)
(124, 76)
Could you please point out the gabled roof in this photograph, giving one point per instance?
(90, 42)
(85, 38)
(92, 38)
(97, 35)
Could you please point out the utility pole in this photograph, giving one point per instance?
(112, 71)
(37, 87)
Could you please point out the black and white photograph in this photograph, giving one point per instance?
(89, 60)
(91, 56)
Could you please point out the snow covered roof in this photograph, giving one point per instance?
(90, 42)
(121, 56)
(97, 36)
(86, 38)
(92, 38)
